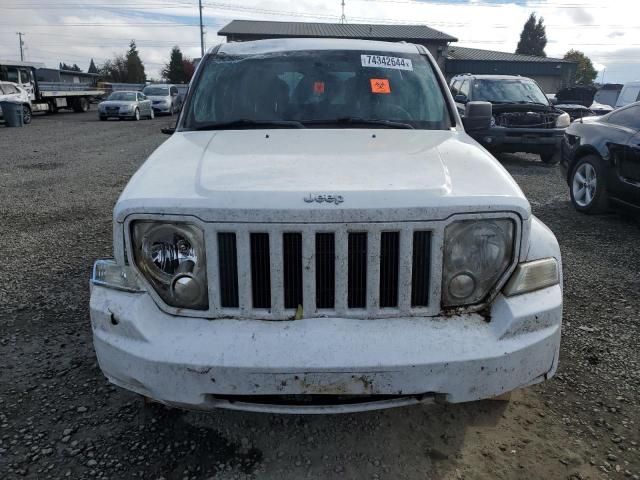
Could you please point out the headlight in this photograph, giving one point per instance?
(172, 258)
(563, 121)
(476, 254)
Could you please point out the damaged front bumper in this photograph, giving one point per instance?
(528, 140)
(324, 365)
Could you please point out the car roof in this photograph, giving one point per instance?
(160, 85)
(492, 77)
(258, 47)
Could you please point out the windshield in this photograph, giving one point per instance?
(509, 91)
(126, 96)
(322, 89)
(156, 91)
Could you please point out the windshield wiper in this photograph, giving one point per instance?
(525, 102)
(358, 121)
(247, 123)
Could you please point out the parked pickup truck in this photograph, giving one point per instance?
(523, 118)
(321, 234)
(48, 96)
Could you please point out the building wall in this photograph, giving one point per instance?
(550, 75)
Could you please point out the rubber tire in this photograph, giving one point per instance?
(27, 114)
(151, 115)
(83, 105)
(550, 158)
(103, 119)
(136, 114)
(600, 202)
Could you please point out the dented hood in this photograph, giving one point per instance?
(265, 175)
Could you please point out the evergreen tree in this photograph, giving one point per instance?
(135, 67)
(585, 73)
(174, 71)
(92, 67)
(533, 38)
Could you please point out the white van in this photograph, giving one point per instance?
(630, 93)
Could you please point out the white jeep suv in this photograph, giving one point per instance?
(321, 235)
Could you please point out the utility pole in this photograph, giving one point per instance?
(20, 34)
(201, 31)
(343, 18)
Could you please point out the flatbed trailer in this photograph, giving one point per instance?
(49, 96)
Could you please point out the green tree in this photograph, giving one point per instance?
(189, 69)
(70, 68)
(115, 70)
(533, 38)
(92, 67)
(135, 67)
(585, 71)
(173, 71)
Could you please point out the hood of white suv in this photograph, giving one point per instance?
(277, 175)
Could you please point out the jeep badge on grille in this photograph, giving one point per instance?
(336, 199)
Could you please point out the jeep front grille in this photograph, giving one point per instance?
(370, 271)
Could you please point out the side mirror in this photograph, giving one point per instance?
(553, 101)
(460, 98)
(168, 130)
(477, 116)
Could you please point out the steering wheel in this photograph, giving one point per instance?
(394, 112)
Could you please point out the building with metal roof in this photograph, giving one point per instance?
(550, 73)
(246, 30)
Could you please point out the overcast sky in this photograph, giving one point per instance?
(74, 31)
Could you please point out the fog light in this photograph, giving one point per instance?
(186, 289)
(462, 285)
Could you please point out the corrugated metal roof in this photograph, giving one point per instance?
(464, 53)
(334, 30)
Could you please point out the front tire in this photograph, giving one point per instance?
(587, 186)
(26, 114)
(136, 114)
(151, 115)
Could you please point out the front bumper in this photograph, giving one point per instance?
(130, 114)
(161, 108)
(529, 140)
(246, 364)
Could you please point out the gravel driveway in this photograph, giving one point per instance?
(59, 418)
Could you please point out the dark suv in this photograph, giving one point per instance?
(523, 119)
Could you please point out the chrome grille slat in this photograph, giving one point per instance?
(308, 272)
(276, 267)
(244, 270)
(373, 271)
(404, 270)
(341, 269)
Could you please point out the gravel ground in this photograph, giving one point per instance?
(59, 418)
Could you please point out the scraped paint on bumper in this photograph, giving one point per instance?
(205, 364)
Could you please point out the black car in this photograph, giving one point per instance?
(523, 118)
(601, 160)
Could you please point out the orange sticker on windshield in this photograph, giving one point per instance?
(380, 85)
(318, 87)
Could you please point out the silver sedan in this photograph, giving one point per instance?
(124, 104)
